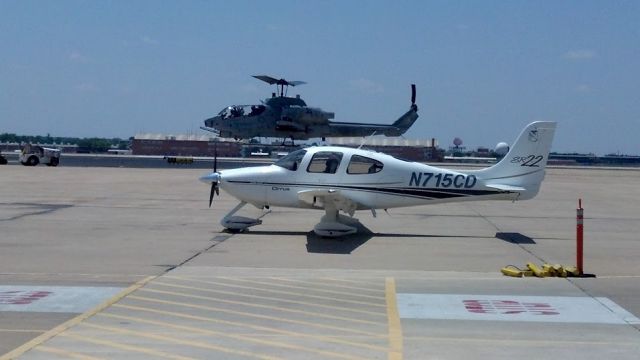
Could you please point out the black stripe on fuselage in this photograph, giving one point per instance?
(427, 193)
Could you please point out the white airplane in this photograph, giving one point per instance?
(346, 179)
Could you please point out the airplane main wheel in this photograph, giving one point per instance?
(53, 162)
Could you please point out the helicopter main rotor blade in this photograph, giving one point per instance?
(282, 82)
(268, 79)
(294, 83)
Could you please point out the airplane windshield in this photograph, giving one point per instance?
(291, 161)
(241, 110)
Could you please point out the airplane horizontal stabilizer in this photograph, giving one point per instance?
(504, 187)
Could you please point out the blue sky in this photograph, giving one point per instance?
(484, 69)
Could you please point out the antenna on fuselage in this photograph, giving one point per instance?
(365, 139)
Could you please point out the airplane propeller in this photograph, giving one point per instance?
(214, 176)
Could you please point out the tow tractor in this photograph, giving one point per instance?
(33, 155)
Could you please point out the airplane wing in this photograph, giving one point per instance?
(328, 198)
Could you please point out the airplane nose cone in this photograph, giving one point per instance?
(213, 177)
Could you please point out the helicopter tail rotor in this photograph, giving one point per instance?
(413, 94)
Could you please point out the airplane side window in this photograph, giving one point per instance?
(291, 161)
(325, 162)
(363, 165)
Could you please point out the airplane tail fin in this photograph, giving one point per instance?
(522, 169)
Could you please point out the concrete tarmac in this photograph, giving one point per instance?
(417, 283)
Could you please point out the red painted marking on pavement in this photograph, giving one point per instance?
(21, 297)
(508, 307)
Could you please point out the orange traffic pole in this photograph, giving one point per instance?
(579, 236)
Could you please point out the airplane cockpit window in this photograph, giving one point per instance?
(256, 110)
(325, 162)
(291, 161)
(364, 165)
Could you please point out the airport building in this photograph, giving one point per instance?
(204, 145)
(14, 146)
(184, 145)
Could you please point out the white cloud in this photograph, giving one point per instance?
(86, 87)
(583, 88)
(581, 54)
(76, 56)
(147, 40)
(366, 85)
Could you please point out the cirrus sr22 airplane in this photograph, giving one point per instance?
(336, 179)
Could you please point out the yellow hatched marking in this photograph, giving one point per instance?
(271, 299)
(262, 306)
(315, 283)
(251, 326)
(395, 329)
(359, 282)
(198, 344)
(73, 322)
(133, 348)
(355, 302)
(306, 288)
(215, 333)
(68, 354)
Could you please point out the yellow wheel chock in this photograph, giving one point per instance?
(547, 270)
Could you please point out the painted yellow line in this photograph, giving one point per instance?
(65, 353)
(282, 292)
(276, 299)
(306, 288)
(251, 326)
(395, 329)
(262, 306)
(316, 283)
(132, 348)
(72, 322)
(384, 337)
(22, 330)
(210, 333)
(367, 281)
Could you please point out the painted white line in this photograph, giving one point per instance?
(628, 317)
(562, 309)
(67, 299)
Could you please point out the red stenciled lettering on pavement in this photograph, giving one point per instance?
(18, 297)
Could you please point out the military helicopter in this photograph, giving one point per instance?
(290, 118)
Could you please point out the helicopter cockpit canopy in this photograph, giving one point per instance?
(241, 110)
